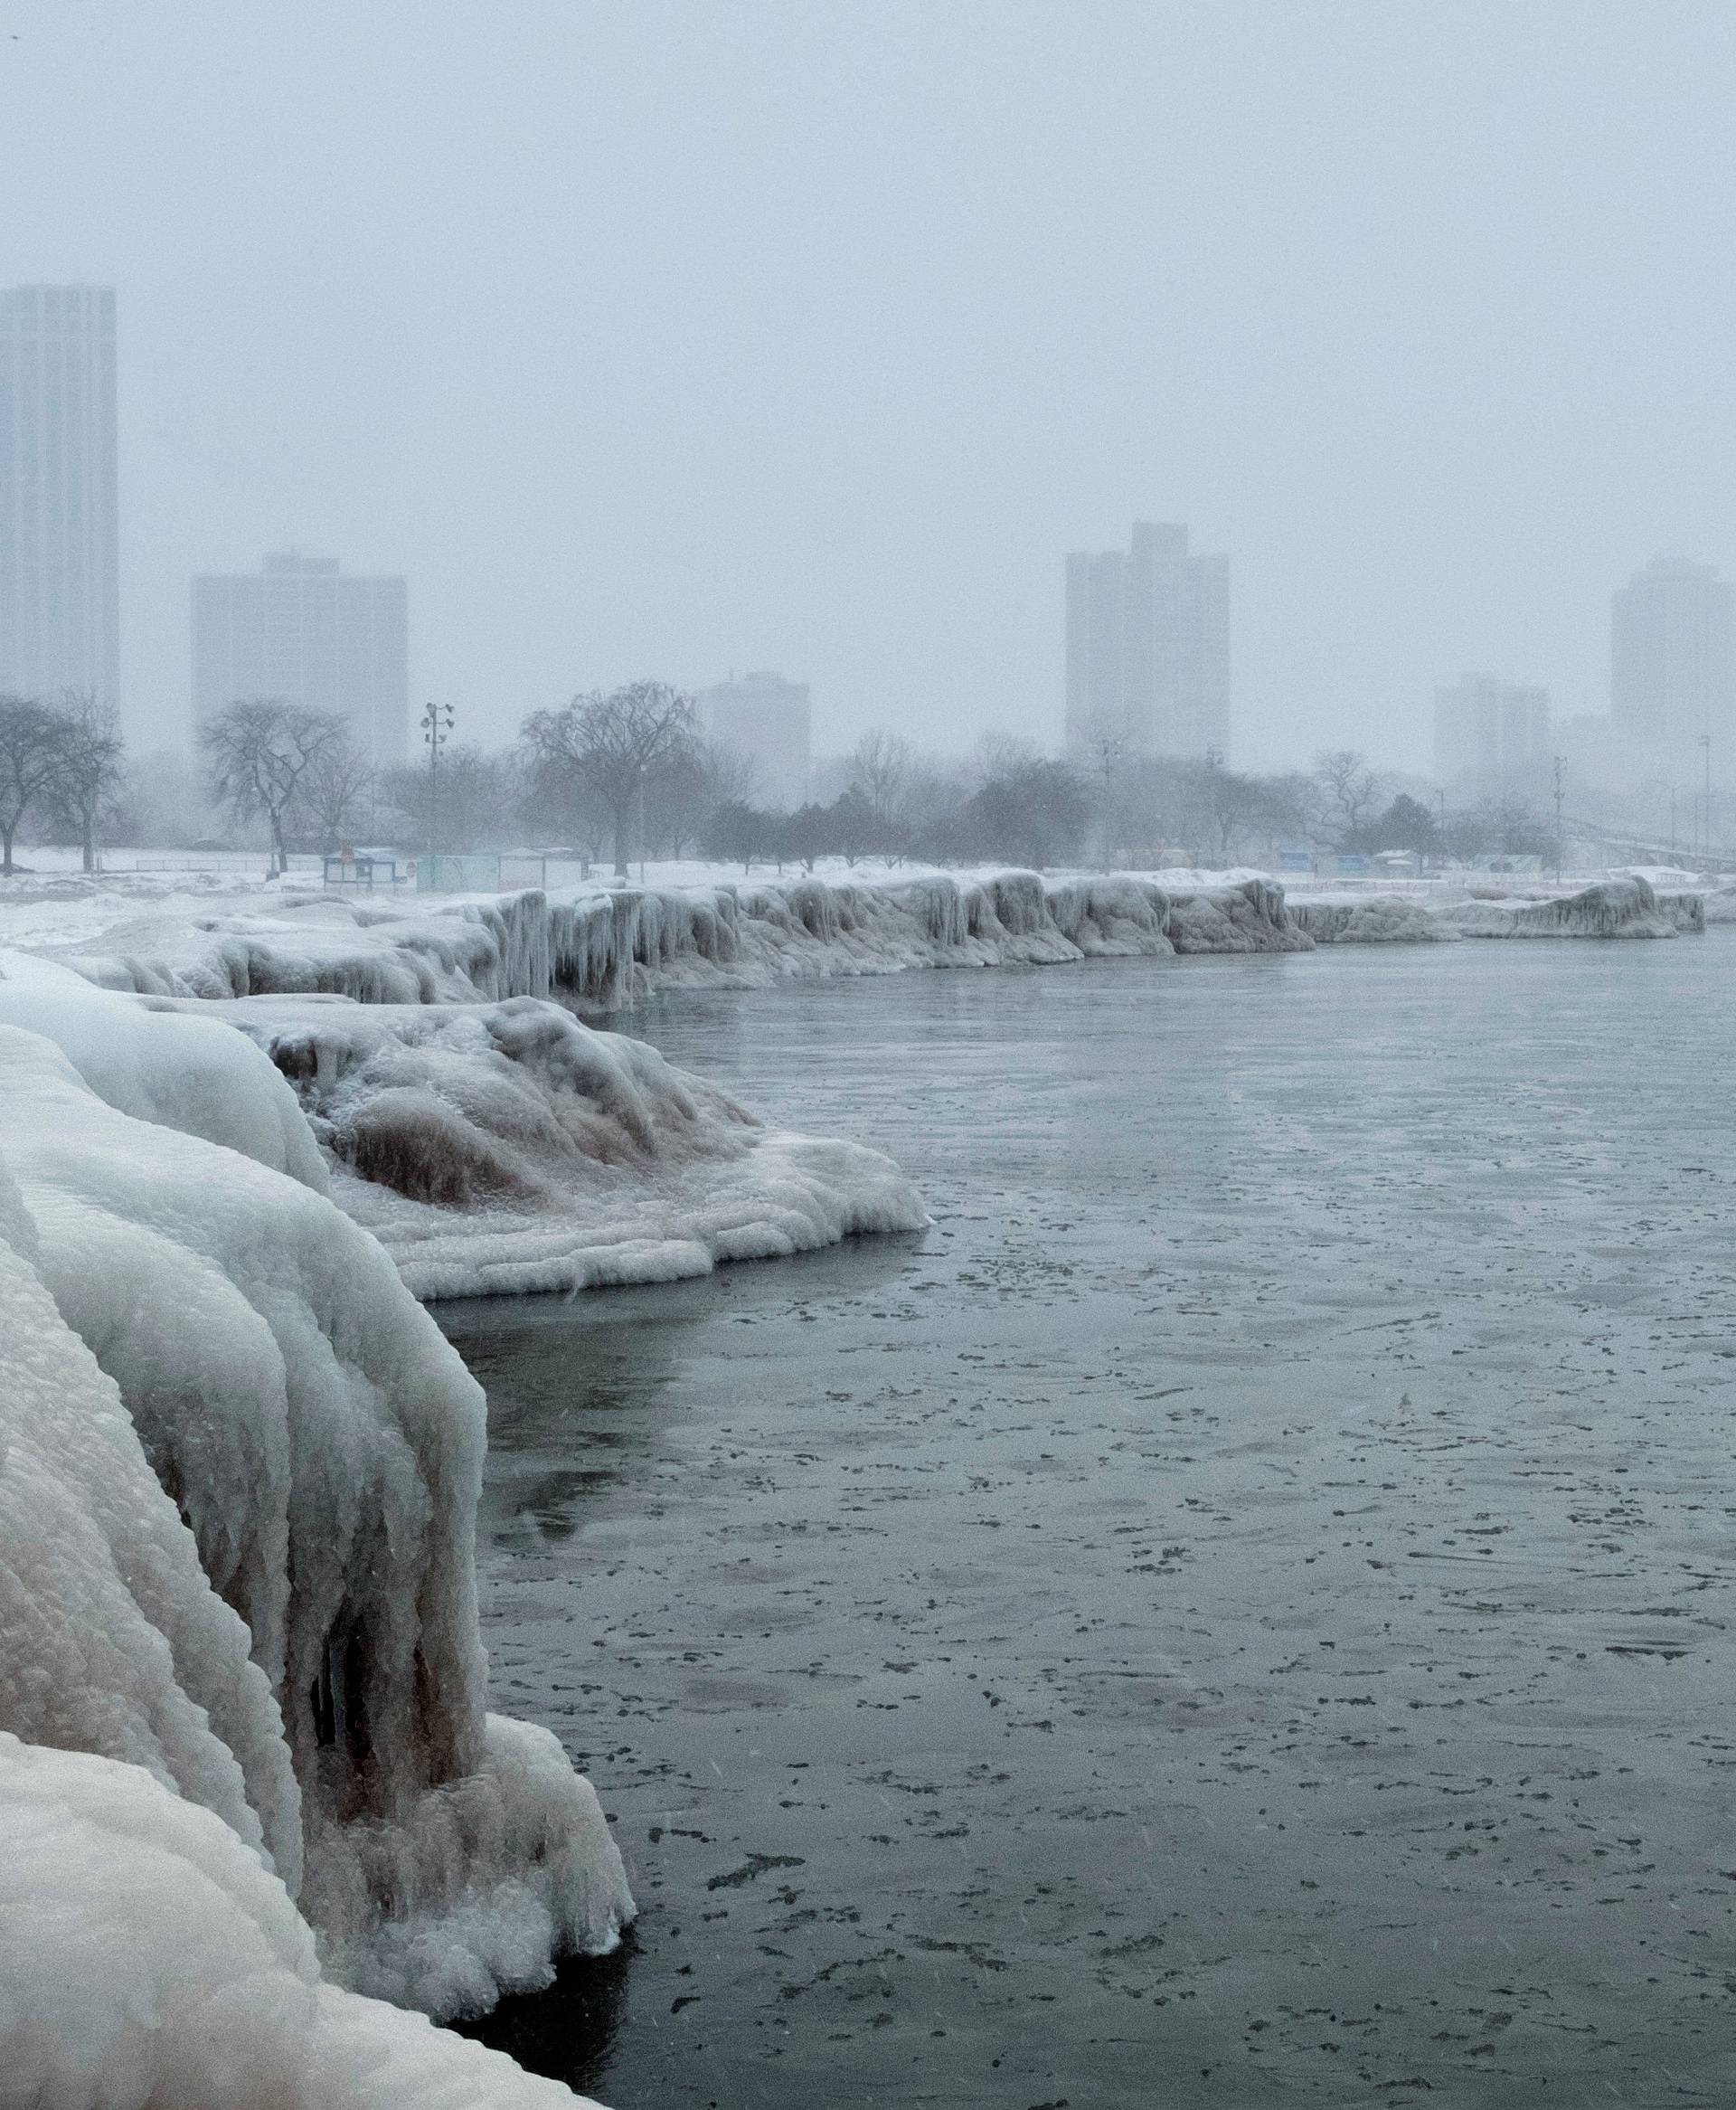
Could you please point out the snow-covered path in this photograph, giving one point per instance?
(1251, 1591)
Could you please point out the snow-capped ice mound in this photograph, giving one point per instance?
(278, 1616)
(187, 1072)
(1369, 920)
(112, 1639)
(506, 1146)
(1612, 908)
(1119, 915)
(148, 1960)
(1250, 917)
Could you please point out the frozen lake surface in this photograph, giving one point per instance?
(1240, 1612)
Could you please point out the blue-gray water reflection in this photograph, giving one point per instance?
(1239, 1612)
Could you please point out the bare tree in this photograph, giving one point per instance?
(614, 745)
(880, 768)
(1349, 788)
(32, 739)
(338, 790)
(86, 776)
(475, 802)
(260, 755)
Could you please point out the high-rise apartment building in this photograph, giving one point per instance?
(1148, 645)
(1672, 653)
(1489, 734)
(301, 631)
(767, 721)
(60, 601)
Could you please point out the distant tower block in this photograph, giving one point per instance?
(768, 721)
(300, 632)
(1673, 654)
(1488, 734)
(1148, 646)
(59, 600)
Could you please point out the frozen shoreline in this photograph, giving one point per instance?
(239, 1467)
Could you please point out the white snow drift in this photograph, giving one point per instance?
(239, 1471)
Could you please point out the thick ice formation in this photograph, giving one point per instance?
(506, 1146)
(1371, 920)
(1612, 908)
(239, 1471)
(1248, 917)
(148, 1960)
(605, 951)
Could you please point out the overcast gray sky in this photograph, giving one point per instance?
(667, 338)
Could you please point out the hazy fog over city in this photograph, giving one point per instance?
(668, 340)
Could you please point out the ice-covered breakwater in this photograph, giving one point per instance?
(1618, 907)
(238, 1474)
(603, 951)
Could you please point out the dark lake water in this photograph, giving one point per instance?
(1239, 1613)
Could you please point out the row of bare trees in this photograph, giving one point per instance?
(611, 772)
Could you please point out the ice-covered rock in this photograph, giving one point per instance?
(1248, 917)
(1611, 908)
(507, 1147)
(239, 1472)
(149, 1961)
(1369, 920)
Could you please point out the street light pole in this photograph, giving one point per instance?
(437, 730)
(1561, 765)
(641, 824)
(1705, 749)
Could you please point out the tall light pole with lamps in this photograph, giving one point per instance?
(437, 730)
(1705, 824)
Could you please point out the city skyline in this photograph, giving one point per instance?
(1141, 624)
(1374, 303)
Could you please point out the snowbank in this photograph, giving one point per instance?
(1611, 908)
(603, 951)
(148, 1960)
(239, 1471)
(506, 1148)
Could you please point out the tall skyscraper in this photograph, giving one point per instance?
(1488, 732)
(302, 632)
(767, 721)
(1148, 645)
(60, 601)
(1672, 653)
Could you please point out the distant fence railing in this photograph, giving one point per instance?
(497, 872)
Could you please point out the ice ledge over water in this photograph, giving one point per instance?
(238, 1474)
(152, 1962)
(506, 1148)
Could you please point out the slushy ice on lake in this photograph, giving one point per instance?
(1221, 1595)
